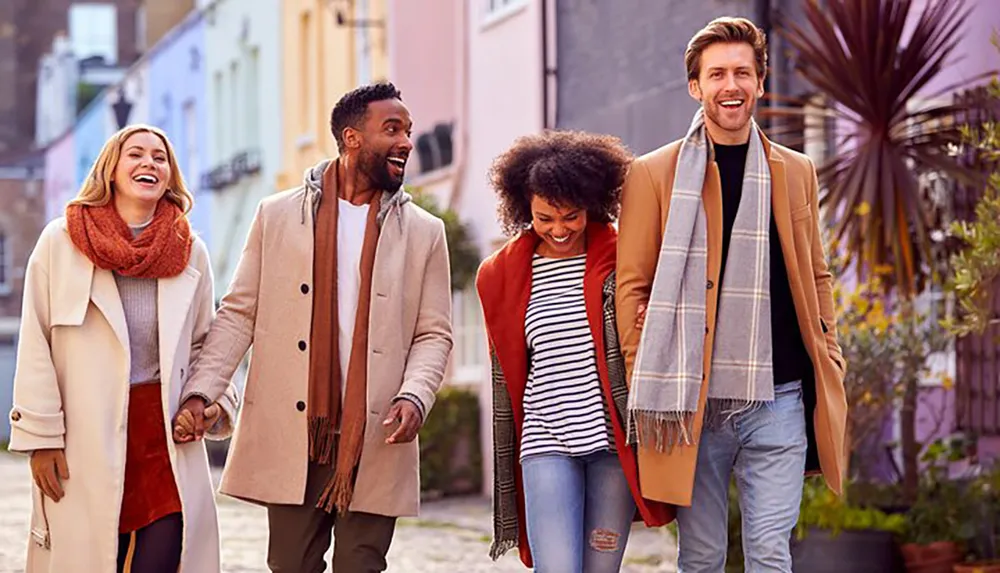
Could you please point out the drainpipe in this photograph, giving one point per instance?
(773, 79)
(549, 72)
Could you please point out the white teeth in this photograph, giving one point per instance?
(145, 178)
(398, 161)
(562, 240)
(732, 103)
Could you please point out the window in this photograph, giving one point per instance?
(93, 31)
(494, 10)
(362, 44)
(497, 5)
(6, 265)
(140, 28)
(470, 357)
(189, 117)
(306, 69)
(252, 92)
(218, 117)
(235, 109)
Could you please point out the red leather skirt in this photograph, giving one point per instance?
(150, 488)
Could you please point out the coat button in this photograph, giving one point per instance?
(304, 288)
(710, 285)
(302, 345)
(15, 415)
(300, 406)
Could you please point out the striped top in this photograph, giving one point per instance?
(564, 408)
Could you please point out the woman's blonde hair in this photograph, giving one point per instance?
(98, 188)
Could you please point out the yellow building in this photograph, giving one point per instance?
(330, 47)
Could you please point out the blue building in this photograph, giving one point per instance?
(177, 95)
(89, 135)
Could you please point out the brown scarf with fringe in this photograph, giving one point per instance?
(162, 250)
(325, 405)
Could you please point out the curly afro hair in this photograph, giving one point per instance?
(350, 111)
(566, 168)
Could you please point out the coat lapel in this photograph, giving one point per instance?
(781, 208)
(173, 301)
(104, 294)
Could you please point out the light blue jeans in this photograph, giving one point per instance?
(579, 512)
(766, 448)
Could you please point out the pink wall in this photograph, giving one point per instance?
(974, 53)
(425, 57)
(60, 175)
(505, 101)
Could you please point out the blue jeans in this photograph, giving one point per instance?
(766, 448)
(579, 512)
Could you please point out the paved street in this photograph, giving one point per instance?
(450, 536)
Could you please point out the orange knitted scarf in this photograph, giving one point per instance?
(161, 250)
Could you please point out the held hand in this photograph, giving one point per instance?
(49, 469)
(190, 422)
(408, 415)
(640, 316)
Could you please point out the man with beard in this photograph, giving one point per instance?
(343, 290)
(735, 368)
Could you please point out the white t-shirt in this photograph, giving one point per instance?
(351, 221)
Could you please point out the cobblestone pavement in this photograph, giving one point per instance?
(451, 536)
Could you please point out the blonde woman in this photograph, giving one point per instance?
(118, 299)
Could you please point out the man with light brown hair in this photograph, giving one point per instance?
(735, 367)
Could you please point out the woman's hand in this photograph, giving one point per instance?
(49, 469)
(640, 316)
(186, 427)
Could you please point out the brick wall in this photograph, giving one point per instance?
(21, 220)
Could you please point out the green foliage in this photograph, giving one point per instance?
(462, 250)
(451, 460)
(822, 509)
(85, 93)
(976, 266)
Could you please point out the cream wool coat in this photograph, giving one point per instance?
(269, 306)
(71, 391)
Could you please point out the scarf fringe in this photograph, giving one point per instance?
(321, 440)
(662, 431)
(337, 494)
(501, 546)
(718, 411)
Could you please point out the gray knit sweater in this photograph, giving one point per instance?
(139, 303)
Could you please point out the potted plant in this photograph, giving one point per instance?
(985, 512)
(833, 535)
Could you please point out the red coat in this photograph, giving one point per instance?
(504, 284)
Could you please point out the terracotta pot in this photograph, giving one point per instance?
(980, 567)
(937, 557)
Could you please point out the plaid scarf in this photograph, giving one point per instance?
(668, 374)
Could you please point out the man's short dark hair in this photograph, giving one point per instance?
(350, 111)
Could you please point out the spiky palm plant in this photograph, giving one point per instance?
(872, 62)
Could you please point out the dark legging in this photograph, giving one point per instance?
(155, 548)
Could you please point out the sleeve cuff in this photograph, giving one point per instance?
(31, 431)
(416, 402)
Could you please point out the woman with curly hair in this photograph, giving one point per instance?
(566, 481)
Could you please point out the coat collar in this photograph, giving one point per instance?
(86, 283)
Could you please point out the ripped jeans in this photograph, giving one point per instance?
(579, 512)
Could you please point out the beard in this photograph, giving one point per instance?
(375, 166)
(726, 120)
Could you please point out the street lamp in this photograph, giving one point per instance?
(122, 108)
